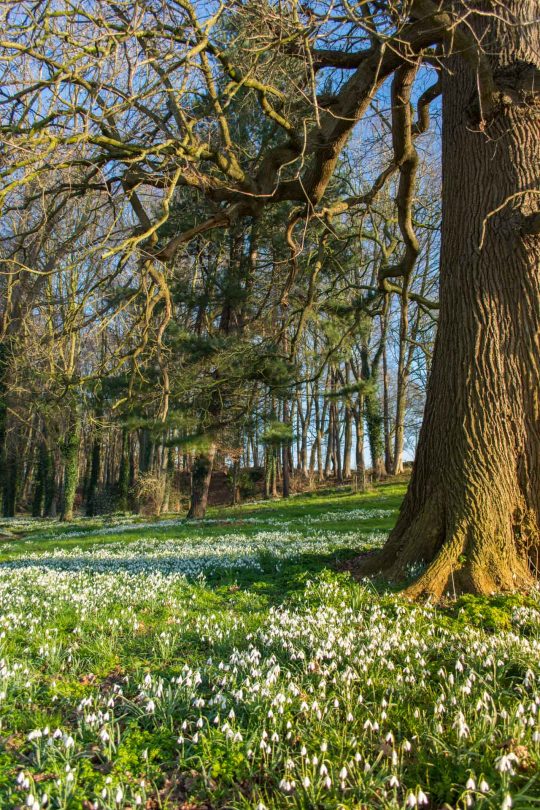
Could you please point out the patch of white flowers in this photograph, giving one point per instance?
(125, 524)
(197, 554)
(334, 699)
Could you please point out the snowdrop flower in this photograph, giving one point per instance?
(483, 787)
(505, 763)
(35, 735)
(507, 802)
(286, 786)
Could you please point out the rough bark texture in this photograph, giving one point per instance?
(471, 514)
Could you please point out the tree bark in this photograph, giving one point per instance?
(93, 482)
(359, 425)
(71, 465)
(201, 475)
(471, 515)
(50, 487)
(374, 418)
(402, 378)
(40, 479)
(168, 472)
(388, 457)
(348, 432)
(285, 460)
(124, 472)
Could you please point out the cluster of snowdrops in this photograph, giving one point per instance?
(161, 673)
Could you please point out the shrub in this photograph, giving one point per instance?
(150, 492)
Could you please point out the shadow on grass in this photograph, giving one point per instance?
(383, 496)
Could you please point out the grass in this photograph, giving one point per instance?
(227, 664)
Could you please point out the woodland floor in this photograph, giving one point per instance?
(228, 664)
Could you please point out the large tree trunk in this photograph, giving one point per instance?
(472, 510)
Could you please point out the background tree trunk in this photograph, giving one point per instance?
(201, 475)
(71, 466)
